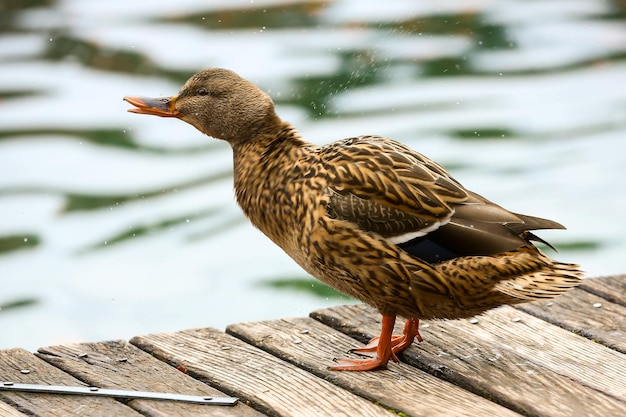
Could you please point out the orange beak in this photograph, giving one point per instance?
(164, 106)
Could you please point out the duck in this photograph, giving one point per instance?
(369, 216)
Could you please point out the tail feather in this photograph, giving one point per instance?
(542, 284)
(485, 282)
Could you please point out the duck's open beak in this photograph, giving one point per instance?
(163, 106)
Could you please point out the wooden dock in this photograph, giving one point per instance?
(560, 358)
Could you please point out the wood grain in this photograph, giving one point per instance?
(14, 361)
(612, 288)
(120, 365)
(311, 345)
(267, 383)
(279, 368)
(586, 314)
(7, 411)
(527, 365)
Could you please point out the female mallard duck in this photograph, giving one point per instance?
(369, 216)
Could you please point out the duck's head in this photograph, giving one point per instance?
(217, 102)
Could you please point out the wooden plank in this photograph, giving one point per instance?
(586, 314)
(7, 411)
(120, 365)
(612, 288)
(515, 359)
(311, 345)
(270, 385)
(14, 361)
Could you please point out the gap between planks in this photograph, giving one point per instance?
(526, 365)
(269, 384)
(118, 364)
(455, 351)
(14, 361)
(311, 345)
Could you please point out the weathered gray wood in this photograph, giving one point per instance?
(120, 365)
(267, 383)
(311, 345)
(526, 365)
(14, 361)
(7, 411)
(586, 314)
(564, 352)
(612, 288)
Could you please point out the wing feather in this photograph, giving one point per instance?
(385, 187)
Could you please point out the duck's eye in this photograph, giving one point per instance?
(203, 92)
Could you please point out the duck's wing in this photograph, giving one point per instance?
(385, 187)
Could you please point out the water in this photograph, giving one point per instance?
(115, 224)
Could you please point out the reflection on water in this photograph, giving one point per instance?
(115, 225)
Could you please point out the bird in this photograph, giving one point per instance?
(369, 216)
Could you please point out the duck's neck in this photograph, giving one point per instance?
(263, 173)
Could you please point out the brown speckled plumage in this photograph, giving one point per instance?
(369, 216)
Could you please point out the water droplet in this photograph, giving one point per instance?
(186, 220)
(516, 319)
(473, 321)
(550, 304)
(25, 371)
(597, 305)
(305, 331)
(50, 39)
(25, 239)
(425, 326)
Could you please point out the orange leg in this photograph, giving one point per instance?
(383, 351)
(398, 342)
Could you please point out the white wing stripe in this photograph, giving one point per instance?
(405, 237)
